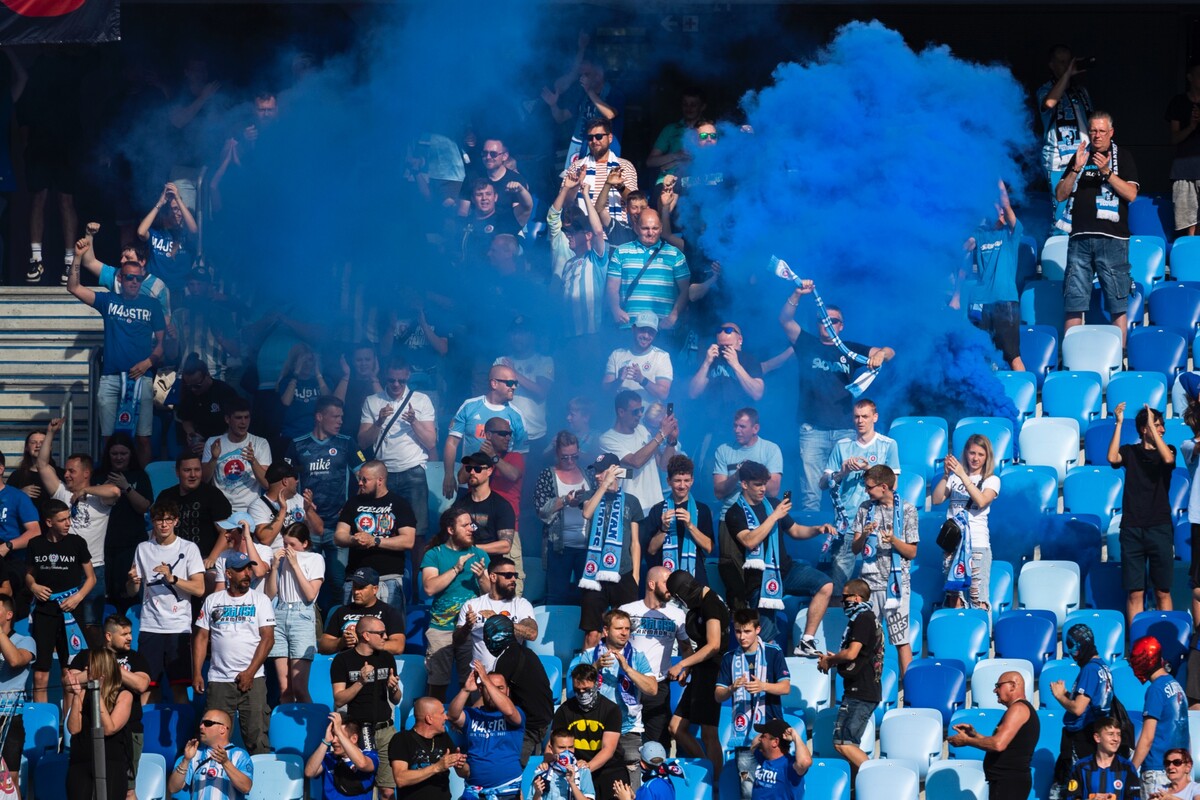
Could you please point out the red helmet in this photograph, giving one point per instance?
(1145, 657)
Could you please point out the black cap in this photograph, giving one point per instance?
(480, 459)
(773, 727)
(604, 461)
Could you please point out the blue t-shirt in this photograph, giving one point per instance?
(349, 775)
(996, 259)
(493, 747)
(1166, 702)
(171, 268)
(474, 413)
(13, 680)
(16, 511)
(610, 677)
(326, 466)
(656, 789)
(729, 457)
(207, 780)
(129, 327)
(1095, 681)
(776, 779)
(298, 417)
(152, 287)
(881, 450)
(777, 670)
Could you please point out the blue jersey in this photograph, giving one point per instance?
(327, 467)
(152, 287)
(1094, 681)
(493, 747)
(881, 450)
(776, 670)
(776, 779)
(169, 258)
(16, 511)
(206, 778)
(1119, 779)
(473, 414)
(996, 259)
(342, 778)
(129, 327)
(1166, 703)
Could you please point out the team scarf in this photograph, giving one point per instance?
(626, 688)
(663, 771)
(559, 765)
(73, 632)
(129, 405)
(852, 613)
(749, 709)
(958, 579)
(510, 788)
(841, 522)
(1108, 204)
(860, 384)
(895, 583)
(604, 545)
(764, 558)
(679, 550)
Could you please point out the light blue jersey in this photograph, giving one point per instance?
(728, 458)
(881, 450)
(474, 413)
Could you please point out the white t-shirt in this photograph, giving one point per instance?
(89, 519)
(655, 632)
(264, 557)
(654, 364)
(399, 450)
(516, 609)
(978, 517)
(534, 411)
(166, 608)
(574, 528)
(645, 482)
(232, 624)
(262, 512)
(312, 565)
(233, 475)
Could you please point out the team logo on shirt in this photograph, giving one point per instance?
(772, 586)
(333, 451)
(872, 458)
(489, 228)
(233, 469)
(211, 772)
(365, 523)
(646, 367)
(1118, 784)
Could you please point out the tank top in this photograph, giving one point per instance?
(1014, 760)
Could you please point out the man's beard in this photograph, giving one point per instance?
(507, 593)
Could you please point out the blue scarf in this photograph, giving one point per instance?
(1108, 205)
(129, 405)
(895, 583)
(604, 546)
(748, 709)
(75, 641)
(852, 614)
(679, 552)
(626, 688)
(764, 558)
(841, 522)
(959, 577)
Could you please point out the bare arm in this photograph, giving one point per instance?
(83, 293)
(1145, 739)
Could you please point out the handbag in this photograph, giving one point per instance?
(950, 535)
(369, 453)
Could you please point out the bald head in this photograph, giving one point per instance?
(658, 575)
(649, 227)
(220, 716)
(426, 706)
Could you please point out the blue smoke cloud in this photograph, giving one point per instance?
(867, 168)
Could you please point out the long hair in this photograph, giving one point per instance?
(118, 438)
(989, 461)
(102, 665)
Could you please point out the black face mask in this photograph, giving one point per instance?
(587, 698)
(684, 587)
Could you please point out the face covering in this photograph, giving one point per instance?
(587, 698)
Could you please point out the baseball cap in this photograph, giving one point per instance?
(653, 753)
(364, 576)
(604, 461)
(644, 320)
(238, 560)
(235, 522)
(480, 459)
(773, 727)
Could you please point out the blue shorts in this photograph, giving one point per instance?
(1092, 255)
(853, 716)
(295, 632)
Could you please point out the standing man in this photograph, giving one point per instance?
(1064, 105)
(507, 183)
(211, 766)
(1165, 714)
(467, 428)
(613, 563)
(640, 452)
(18, 515)
(843, 477)
(201, 506)
(528, 684)
(826, 371)
(236, 462)
(340, 629)
(501, 598)
(346, 769)
(495, 731)
(859, 662)
(134, 327)
(728, 377)
(658, 625)
(1009, 750)
(595, 721)
(451, 574)
(647, 275)
(365, 687)
(778, 775)
(747, 446)
(201, 399)
(679, 530)
(17, 651)
(995, 304)
(1103, 181)
(282, 505)
(422, 756)
(505, 479)
(642, 368)
(240, 623)
(1183, 117)
(379, 527)
(594, 170)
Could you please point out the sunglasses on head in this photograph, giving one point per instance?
(595, 137)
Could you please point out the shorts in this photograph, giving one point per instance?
(383, 774)
(1139, 545)
(295, 631)
(14, 742)
(1091, 255)
(594, 602)
(894, 620)
(697, 704)
(1002, 321)
(440, 656)
(853, 716)
(139, 744)
(1185, 197)
(49, 633)
(108, 398)
(169, 656)
(90, 610)
(51, 161)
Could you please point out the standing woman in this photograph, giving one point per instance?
(971, 486)
(116, 702)
(300, 386)
(293, 583)
(26, 476)
(558, 498)
(127, 524)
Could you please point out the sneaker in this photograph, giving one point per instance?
(35, 271)
(808, 649)
(65, 273)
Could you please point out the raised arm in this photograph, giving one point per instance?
(84, 294)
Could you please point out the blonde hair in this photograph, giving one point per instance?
(102, 666)
(989, 461)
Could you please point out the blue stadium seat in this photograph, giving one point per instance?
(1026, 492)
(998, 430)
(953, 779)
(413, 679)
(827, 778)
(1027, 261)
(1135, 309)
(696, 783)
(923, 441)
(151, 777)
(1183, 540)
(50, 776)
(811, 689)
(1045, 754)
(297, 728)
(1157, 350)
(1054, 258)
(984, 720)
(1136, 389)
(320, 688)
(1050, 442)
(959, 633)
(1052, 585)
(1127, 687)
(889, 684)
(929, 683)
(1099, 434)
(1147, 259)
(910, 485)
(534, 589)
(416, 622)
(1060, 669)
(1075, 538)
(1102, 587)
(910, 736)
(1021, 388)
(1180, 492)
(1020, 634)
(1042, 304)
(822, 738)
(167, 727)
(554, 674)
(1185, 258)
(42, 723)
(1094, 490)
(1176, 308)
(1177, 431)
(1108, 629)
(1074, 395)
(277, 777)
(1001, 590)
(1173, 629)
(989, 670)
(882, 778)
(829, 632)
(1093, 348)
(162, 475)
(558, 632)
(1039, 351)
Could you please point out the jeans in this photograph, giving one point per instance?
(843, 561)
(815, 447)
(1108, 260)
(90, 610)
(412, 486)
(391, 592)
(746, 766)
(563, 571)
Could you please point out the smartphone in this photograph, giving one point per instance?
(622, 473)
(670, 409)
(788, 495)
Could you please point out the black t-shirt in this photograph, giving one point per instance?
(723, 390)
(133, 661)
(126, 525)
(504, 200)
(589, 728)
(491, 515)
(371, 704)
(1147, 498)
(825, 372)
(861, 676)
(651, 526)
(345, 616)
(527, 684)
(382, 517)
(735, 522)
(418, 752)
(476, 235)
(1186, 165)
(199, 512)
(1089, 188)
(58, 565)
(696, 624)
(203, 409)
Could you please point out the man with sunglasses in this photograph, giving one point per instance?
(211, 768)
(201, 400)
(507, 183)
(1009, 749)
(365, 683)
(379, 527)
(109, 276)
(501, 598)
(468, 427)
(134, 328)
(642, 454)
(593, 170)
(727, 378)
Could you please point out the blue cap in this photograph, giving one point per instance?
(235, 522)
(238, 560)
(364, 576)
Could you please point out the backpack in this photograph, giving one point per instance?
(1118, 713)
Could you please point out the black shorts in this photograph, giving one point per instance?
(698, 703)
(594, 602)
(1002, 320)
(51, 162)
(1155, 545)
(169, 656)
(49, 633)
(14, 743)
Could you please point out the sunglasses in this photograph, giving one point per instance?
(492, 153)
(474, 468)
(835, 321)
(569, 456)
(1175, 762)
(509, 384)
(498, 433)
(729, 329)
(133, 278)
(511, 575)
(1001, 683)
(595, 137)
(396, 380)
(707, 137)
(208, 723)
(637, 412)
